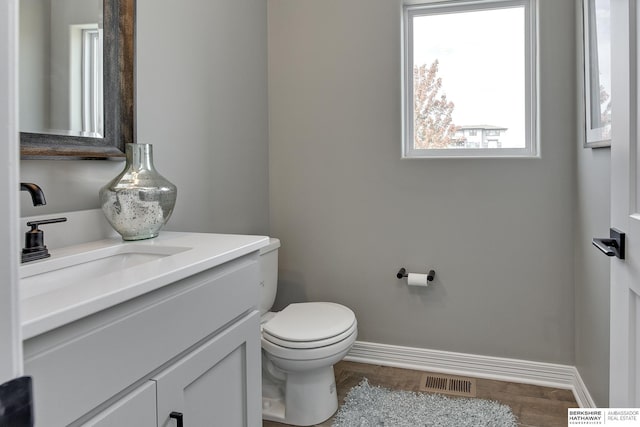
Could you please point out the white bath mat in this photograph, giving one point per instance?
(368, 406)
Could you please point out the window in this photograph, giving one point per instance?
(92, 100)
(469, 66)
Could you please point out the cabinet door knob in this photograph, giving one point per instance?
(178, 417)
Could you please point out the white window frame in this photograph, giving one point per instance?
(411, 9)
(92, 88)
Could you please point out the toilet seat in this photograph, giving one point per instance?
(310, 325)
(302, 355)
(309, 344)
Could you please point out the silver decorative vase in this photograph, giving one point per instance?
(139, 201)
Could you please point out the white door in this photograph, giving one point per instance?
(624, 386)
(10, 347)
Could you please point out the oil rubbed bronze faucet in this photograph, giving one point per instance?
(34, 247)
(37, 196)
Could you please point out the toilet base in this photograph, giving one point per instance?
(309, 398)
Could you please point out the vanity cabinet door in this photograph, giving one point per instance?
(135, 409)
(219, 383)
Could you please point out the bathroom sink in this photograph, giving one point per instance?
(84, 267)
(84, 279)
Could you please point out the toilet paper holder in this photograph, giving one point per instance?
(403, 273)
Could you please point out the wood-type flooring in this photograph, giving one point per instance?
(534, 406)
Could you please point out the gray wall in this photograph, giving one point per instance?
(65, 45)
(591, 268)
(35, 64)
(48, 99)
(350, 212)
(202, 102)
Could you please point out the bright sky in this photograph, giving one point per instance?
(603, 28)
(481, 56)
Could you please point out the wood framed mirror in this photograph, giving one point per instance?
(115, 123)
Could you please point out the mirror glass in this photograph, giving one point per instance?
(61, 91)
(76, 78)
(597, 72)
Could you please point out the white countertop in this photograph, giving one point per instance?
(73, 300)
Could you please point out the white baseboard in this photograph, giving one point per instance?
(495, 368)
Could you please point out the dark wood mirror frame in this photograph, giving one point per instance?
(118, 59)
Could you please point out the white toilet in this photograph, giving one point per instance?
(300, 345)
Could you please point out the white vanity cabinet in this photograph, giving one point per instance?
(191, 347)
(209, 385)
(135, 409)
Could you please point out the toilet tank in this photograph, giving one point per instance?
(269, 272)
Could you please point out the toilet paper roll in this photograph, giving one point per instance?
(415, 279)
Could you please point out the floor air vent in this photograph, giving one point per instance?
(448, 384)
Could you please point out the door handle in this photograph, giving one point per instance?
(16, 401)
(178, 417)
(612, 246)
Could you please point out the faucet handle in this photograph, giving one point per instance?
(34, 247)
(34, 224)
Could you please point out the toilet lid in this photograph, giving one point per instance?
(311, 344)
(310, 321)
